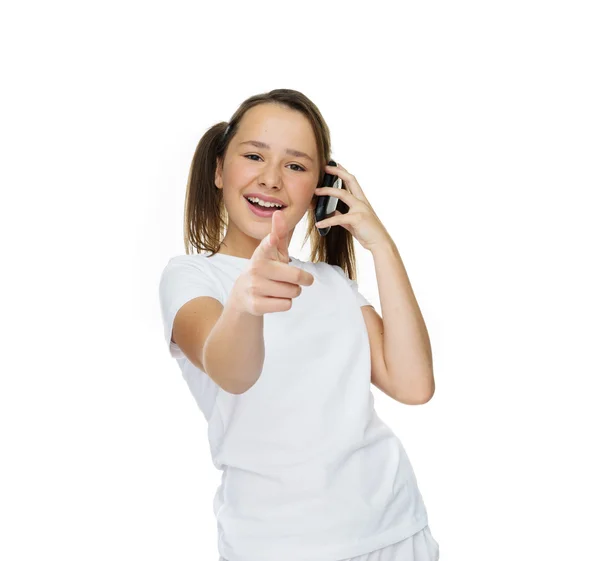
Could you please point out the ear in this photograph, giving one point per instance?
(313, 203)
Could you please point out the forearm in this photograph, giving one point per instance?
(234, 351)
(406, 345)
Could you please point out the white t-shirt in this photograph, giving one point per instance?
(310, 471)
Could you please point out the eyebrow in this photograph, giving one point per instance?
(260, 144)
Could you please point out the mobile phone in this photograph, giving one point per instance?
(326, 204)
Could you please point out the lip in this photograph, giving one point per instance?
(265, 198)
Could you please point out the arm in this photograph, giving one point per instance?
(406, 346)
(234, 351)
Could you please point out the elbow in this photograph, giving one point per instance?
(415, 400)
(417, 396)
(426, 398)
(237, 387)
(427, 395)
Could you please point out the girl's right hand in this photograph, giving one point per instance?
(270, 282)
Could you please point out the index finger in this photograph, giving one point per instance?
(290, 273)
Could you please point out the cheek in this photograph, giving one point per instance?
(312, 202)
(239, 172)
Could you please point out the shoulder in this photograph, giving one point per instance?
(326, 270)
(182, 269)
(333, 272)
(337, 269)
(198, 262)
(343, 274)
(189, 275)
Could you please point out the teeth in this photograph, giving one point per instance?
(262, 203)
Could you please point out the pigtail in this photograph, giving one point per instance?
(205, 217)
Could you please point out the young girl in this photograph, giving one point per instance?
(280, 353)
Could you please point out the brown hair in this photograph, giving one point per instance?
(205, 214)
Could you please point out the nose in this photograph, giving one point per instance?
(270, 177)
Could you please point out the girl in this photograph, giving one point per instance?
(280, 353)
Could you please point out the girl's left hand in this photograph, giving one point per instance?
(360, 220)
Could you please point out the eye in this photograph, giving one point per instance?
(297, 165)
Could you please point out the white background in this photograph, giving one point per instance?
(473, 129)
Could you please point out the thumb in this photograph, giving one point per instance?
(280, 231)
(274, 245)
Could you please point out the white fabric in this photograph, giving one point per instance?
(310, 471)
(420, 547)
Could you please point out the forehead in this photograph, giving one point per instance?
(273, 124)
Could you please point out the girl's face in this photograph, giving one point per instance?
(285, 165)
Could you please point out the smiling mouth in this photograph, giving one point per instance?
(263, 212)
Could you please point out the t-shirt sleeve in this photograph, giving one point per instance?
(362, 301)
(182, 280)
